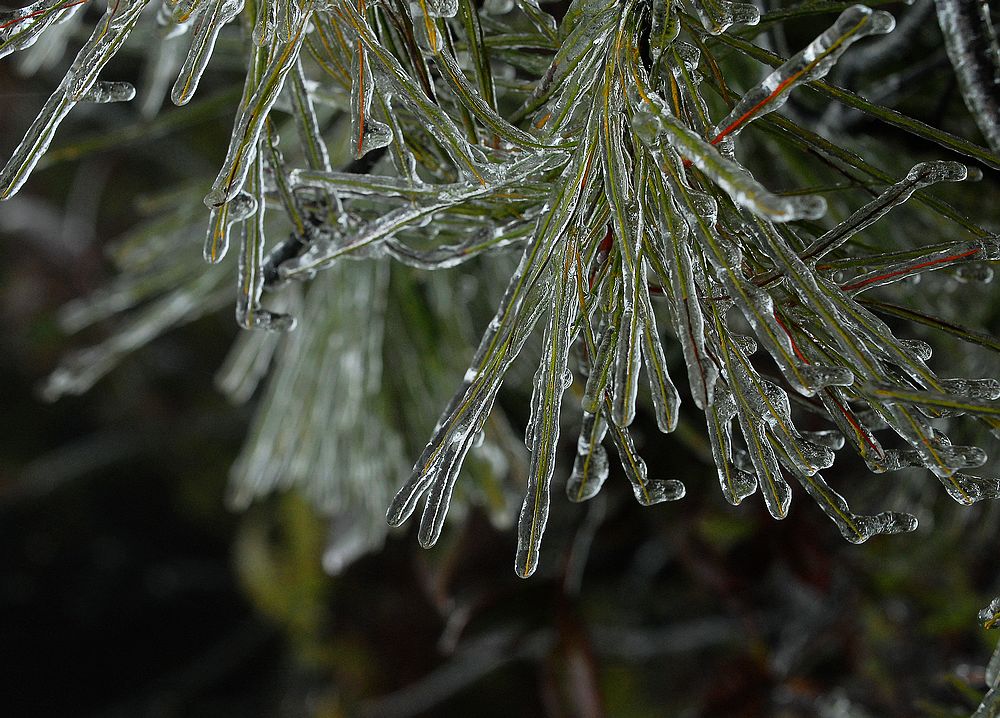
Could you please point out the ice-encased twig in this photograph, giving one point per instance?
(21, 28)
(207, 26)
(954, 403)
(717, 16)
(249, 277)
(468, 160)
(647, 492)
(812, 63)
(549, 385)
(922, 175)
(322, 255)
(655, 123)
(107, 38)
(856, 528)
(220, 222)
(368, 133)
(666, 399)
(971, 43)
(590, 467)
(736, 484)
(252, 116)
(437, 468)
(757, 306)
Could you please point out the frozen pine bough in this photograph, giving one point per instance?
(612, 153)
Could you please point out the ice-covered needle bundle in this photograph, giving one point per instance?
(604, 147)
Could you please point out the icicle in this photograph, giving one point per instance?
(469, 161)
(206, 31)
(437, 468)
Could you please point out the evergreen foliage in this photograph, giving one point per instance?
(613, 151)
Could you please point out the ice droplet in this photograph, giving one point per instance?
(220, 220)
(105, 92)
(590, 469)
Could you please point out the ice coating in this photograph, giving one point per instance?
(920, 176)
(812, 63)
(468, 160)
(265, 23)
(647, 492)
(601, 370)
(590, 468)
(442, 8)
(670, 258)
(209, 21)
(221, 219)
(368, 133)
(321, 255)
(437, 468)
(625, 384)
(250, 121)
(21, 28)
(104, 92)
(988, 389)
(549, 385)
(287, 18)
(971, 44)
(719, 15)
(655, 123)
(249, 276)
(666, 399)
(664, 27)
(736, 485)
(109, 35)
